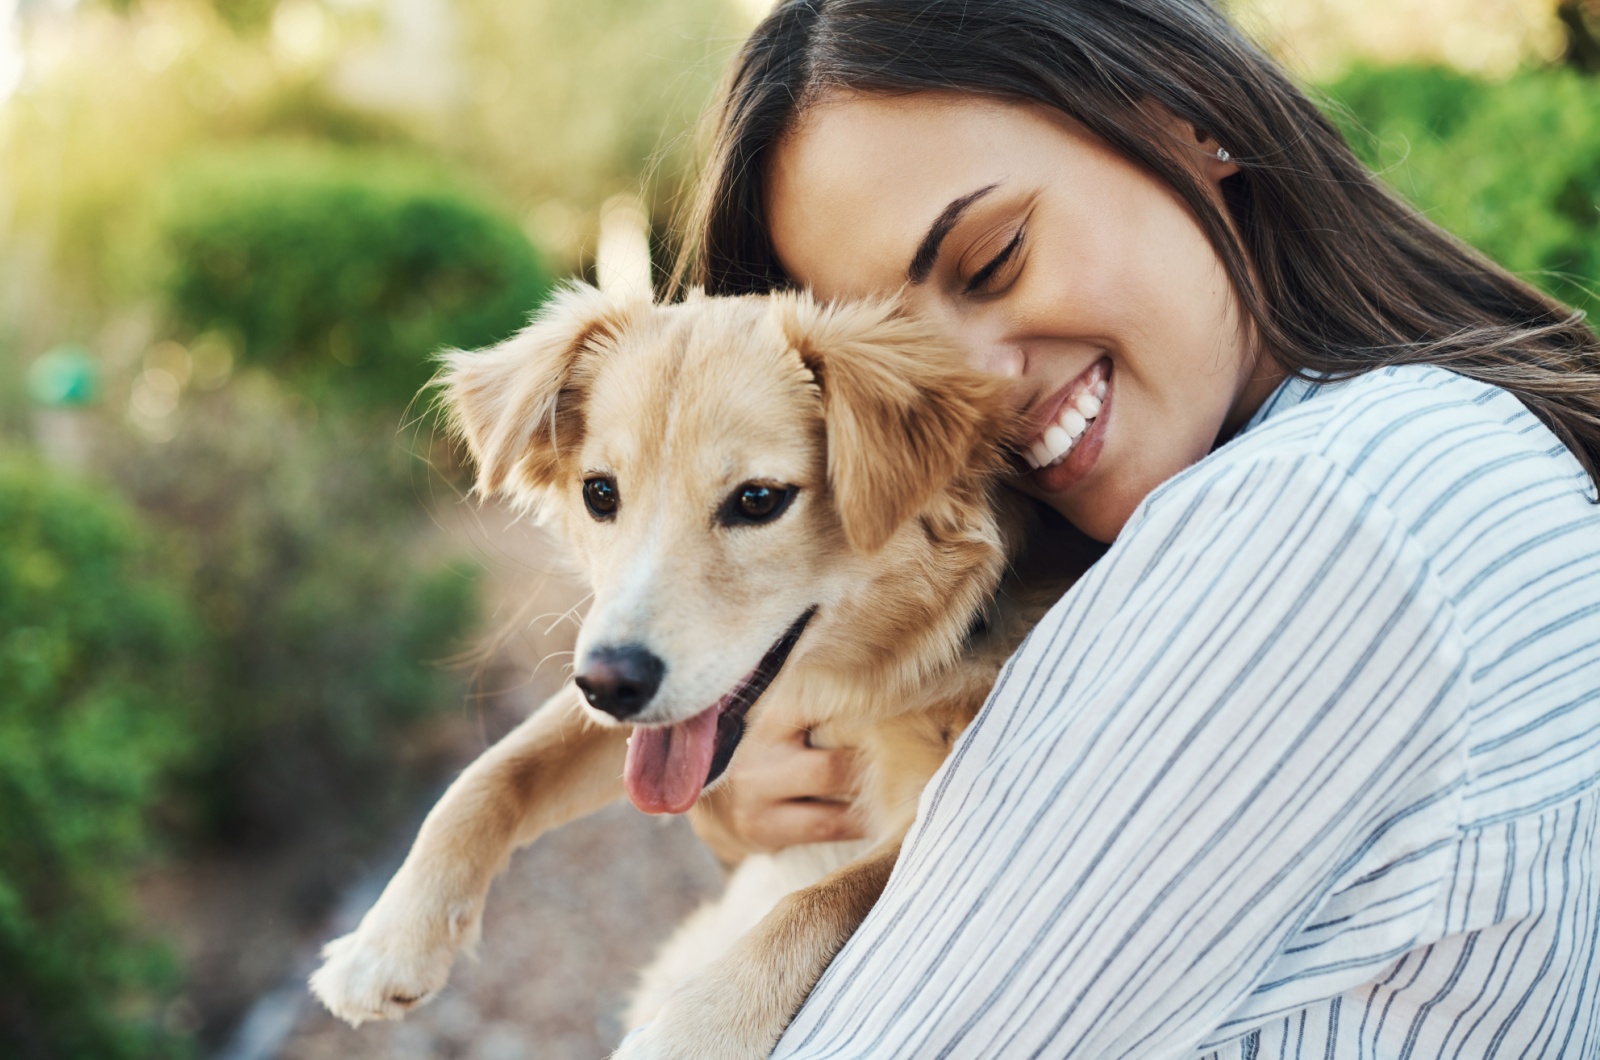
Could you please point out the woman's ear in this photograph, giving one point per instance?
(903, 415)
(1196, 147)
(518, 405)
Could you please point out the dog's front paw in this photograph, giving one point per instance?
(381, 973)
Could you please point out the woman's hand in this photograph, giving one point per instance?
(780, 791)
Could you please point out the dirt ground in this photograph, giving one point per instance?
(566, 930)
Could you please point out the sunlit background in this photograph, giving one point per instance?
(247, 626)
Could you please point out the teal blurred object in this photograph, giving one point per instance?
(66, 377)
(342, 271)
(1511, 167)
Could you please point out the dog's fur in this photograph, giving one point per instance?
(897, 536)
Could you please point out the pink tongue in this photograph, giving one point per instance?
(667, 767)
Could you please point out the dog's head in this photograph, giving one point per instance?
(728, 471)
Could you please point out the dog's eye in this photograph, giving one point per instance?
(754, 503)
(600, 494)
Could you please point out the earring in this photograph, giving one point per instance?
(1222, 154)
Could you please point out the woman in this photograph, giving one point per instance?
(1307, 765)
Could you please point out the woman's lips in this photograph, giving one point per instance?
(1066, 449)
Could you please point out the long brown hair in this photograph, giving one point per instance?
(1337, 274)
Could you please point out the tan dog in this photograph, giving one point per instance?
(756, 486)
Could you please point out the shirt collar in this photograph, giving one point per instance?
(1291, 392)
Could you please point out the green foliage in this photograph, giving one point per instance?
(96, 664)
(249, 651)
(300, 540)
(341, 271)
(1513, 168)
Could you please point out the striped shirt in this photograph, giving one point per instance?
(1306, 766)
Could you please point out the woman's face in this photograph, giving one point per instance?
(1051, 259)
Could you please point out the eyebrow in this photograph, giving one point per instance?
(928, 250)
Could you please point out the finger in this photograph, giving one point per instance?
(794, 773)
(791, 823)
(829, 774)
(771, 731)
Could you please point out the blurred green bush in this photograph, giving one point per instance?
(1513, 168)
(329, 601)
(341, 271)
(100, 667)
(248, 649)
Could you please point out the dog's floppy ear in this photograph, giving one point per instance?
(903, 415)
(517, 405)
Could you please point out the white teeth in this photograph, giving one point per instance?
(1057, 441)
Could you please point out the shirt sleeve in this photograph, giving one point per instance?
(1257, 686)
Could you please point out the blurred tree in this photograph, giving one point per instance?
(103, 112)
(100, 662)
(1581, 21)
(1513, 168)
(344, 272)
(568, 104)
(246, 17)
(1320, 38)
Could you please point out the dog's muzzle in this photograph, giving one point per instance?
(669, 765)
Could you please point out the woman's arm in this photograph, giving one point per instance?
(1256, 693)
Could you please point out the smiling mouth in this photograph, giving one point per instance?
(668, 766)
(1080, 407)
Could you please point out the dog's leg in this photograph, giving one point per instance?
(737, 1009)
(556, 766)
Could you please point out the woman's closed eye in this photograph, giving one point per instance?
(994, 276)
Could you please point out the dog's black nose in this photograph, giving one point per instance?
(620, 681)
